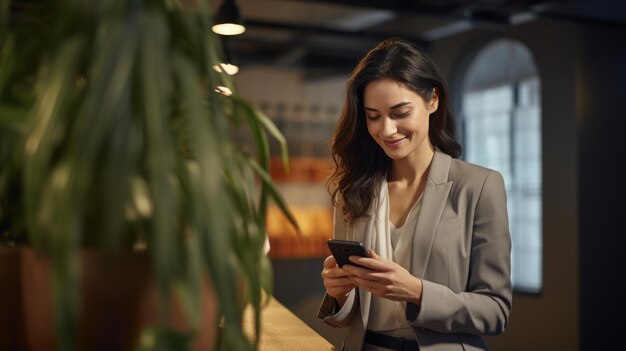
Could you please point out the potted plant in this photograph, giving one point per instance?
(115, 150)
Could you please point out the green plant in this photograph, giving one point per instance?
(112, 137)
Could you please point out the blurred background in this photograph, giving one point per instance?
(538, 90)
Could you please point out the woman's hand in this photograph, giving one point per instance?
(337, 281)
(385, 278)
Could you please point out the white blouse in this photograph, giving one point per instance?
(386, 316)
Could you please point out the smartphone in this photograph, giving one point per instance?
(342, 249)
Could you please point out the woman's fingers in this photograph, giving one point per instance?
(333, 282)
(338, 287)
(368, 264)
(335, 273)
(361, 281)
(330, 262)
(336, 280)
(348, 284)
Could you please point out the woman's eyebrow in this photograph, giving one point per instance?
(391, 108)
(399, 105)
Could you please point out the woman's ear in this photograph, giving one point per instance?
(433, 104)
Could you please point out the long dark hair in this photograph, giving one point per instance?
(361, 165)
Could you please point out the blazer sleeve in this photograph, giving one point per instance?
(328, 311)
(484, 307)
(331, 315)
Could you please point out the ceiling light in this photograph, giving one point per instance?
(228, 20)
(223, 90)
(227, 68)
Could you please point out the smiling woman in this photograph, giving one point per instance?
(437, 273)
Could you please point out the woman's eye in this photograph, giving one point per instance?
(373, 118)
(401, 114)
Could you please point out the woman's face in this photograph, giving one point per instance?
(397, 118)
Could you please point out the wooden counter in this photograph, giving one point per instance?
(283, 330)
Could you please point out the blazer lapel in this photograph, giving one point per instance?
(433, 203)
(372, 232)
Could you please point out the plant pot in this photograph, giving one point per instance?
(11, 331)
(118, 299)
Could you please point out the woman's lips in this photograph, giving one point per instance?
(393, 143)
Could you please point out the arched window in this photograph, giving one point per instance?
(501, 119)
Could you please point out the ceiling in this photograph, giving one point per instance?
(324, 37)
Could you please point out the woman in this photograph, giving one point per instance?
(438, 272)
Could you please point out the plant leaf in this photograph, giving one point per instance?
(274, 194)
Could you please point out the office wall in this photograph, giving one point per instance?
(261, 84)
(600, 104)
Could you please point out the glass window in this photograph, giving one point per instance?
(502, 130)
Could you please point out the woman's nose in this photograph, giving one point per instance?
(389, 127)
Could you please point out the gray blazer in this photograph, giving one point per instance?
(462, 253)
